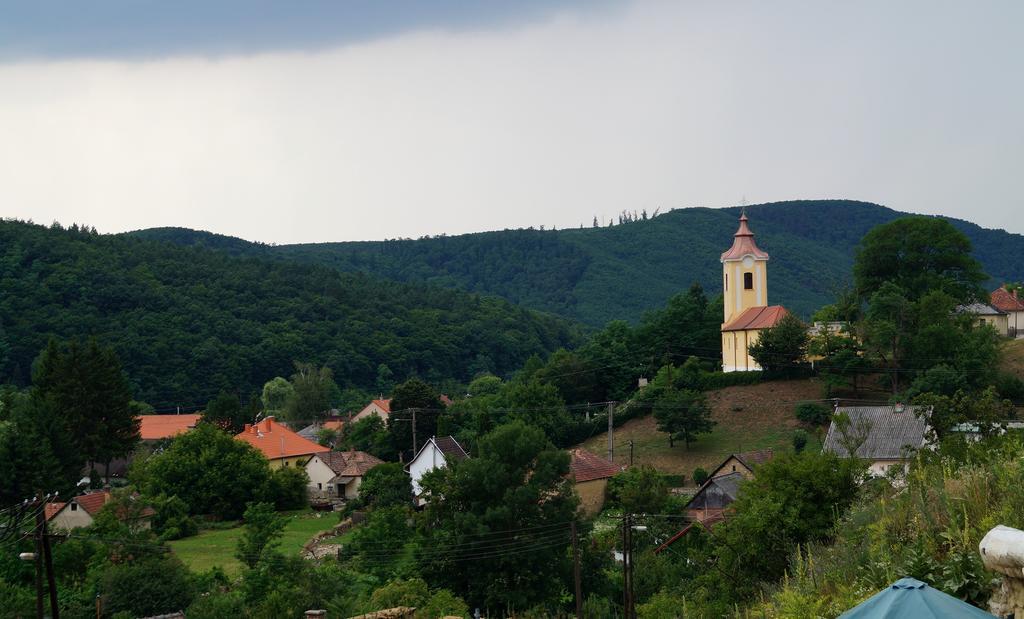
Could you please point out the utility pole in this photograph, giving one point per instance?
(627, 565)
(576, 570)
(611, 443)
(51, 580)
(413, 433)
(38, 559)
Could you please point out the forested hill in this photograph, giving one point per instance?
(188, 321)
(599, 274)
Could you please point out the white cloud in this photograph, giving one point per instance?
(657, 105)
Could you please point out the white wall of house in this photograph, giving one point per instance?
(428, 459)
(71, 517)
(320, 475)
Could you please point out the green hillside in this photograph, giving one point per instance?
(599, 274)
(188, 321)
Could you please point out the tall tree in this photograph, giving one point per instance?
(413, 394)
(313, 393)
(276, 393)
(684, 415)
(226, 412)
(84, 382)
(511, 493)
(781, 348)
(919, 255)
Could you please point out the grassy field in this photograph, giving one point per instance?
(1013, 357)
(217, 547)
(749, 417)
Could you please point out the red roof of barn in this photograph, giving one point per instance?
(155, 427)
(586, 466)
(276, 441)
(1007, 301)
(743, 244)
(760, 317)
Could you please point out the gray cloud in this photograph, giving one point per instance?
(662, 104)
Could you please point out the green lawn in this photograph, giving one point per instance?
(216, 548)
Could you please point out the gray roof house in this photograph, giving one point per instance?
(883, 435)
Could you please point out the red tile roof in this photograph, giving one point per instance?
(760, 317)
(156, 427)
(586, 466)
(275, 441)
(92, 503)
(743, 244)
(385, 405)
(349, 463)
(51, 509)
(1007, 301)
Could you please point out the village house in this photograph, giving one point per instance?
(380, 407)
(154, 428)
(988, 315)
(745, 294)
(338, 474)
(280, 445)
(590, 474)
(885, 436)
(722, 486)
(1008, 301)
(438, 452)
(334, 423)
(81, 512)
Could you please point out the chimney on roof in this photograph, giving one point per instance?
(248, 428)
(269, 422)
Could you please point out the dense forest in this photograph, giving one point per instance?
(598, 274)
(188, 321)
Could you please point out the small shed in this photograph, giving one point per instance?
(883, 435)
(590, 474)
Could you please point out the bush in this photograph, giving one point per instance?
(813, 414)
(287, 487)
(1010, 387)
(699, 476)
(710, 381)
(152, 586)
(799, 440)
(639, 490)
(172, 520)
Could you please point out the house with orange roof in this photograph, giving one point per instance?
(590, 474)
(278, 443)
(82, 510)
(1009, 301)
(160, 427)
(745, 293)
(380, 407)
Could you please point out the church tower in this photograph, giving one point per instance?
(745, 288)
(744, 273)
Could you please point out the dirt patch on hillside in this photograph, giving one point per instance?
(1013, 357)
(748, 417)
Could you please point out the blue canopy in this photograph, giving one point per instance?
(908, 597)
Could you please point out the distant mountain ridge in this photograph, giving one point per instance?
(599, 274)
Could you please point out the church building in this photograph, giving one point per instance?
(747, 313)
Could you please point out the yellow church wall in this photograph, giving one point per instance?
(736, 351)
(736, 295)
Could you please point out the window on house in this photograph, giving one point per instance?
(74, 507)
(726, 281)
(748, 281)
(734, 468)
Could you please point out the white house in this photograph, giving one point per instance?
(338, 474)
(81, 512)
(436, 453)
(380, 407)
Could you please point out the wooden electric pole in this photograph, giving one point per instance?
(576, 570)
(611, 443)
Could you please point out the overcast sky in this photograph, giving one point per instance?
(371, 120)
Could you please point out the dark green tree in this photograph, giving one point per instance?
(684, 415)
(369, 434)
(208, 469)
(919, 255)
(639, 490)
(313, 393)
(226, 412)
(515, 482)
(386, 485)
(261, 534)
(780, 349)
(413, 394)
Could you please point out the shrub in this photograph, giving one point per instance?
(813, 414)
(799, 440)
(1010, 387)
(639, 490)
(699, 476)
(286, 488)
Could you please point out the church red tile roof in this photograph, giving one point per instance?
(586, 466)
(760, 317)
(743, 244)
(1007, 301)
(276, 441)
(155, 427)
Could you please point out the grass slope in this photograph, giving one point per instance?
(749, 417)
(599, 274)
(1013, 357)
(216, 547)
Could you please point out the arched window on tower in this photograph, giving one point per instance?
(748, 281)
